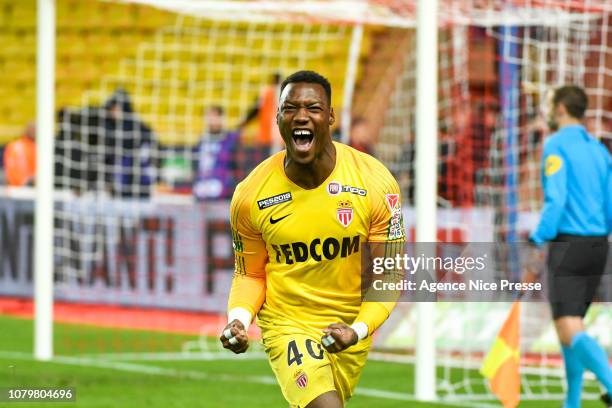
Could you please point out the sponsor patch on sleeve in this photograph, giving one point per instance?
(396, 228)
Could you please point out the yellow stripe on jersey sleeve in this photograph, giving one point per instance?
(249, 282)
(386, 219)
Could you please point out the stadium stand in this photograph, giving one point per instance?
(87, 49)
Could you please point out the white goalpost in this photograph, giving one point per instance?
(43, 234)
(426, 183)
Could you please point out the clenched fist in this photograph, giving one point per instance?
(338, 337)
(234, 337)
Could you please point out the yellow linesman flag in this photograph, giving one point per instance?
(502, 365)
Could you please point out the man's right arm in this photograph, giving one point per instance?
(248, 289)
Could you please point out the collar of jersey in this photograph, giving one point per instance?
(578, 128)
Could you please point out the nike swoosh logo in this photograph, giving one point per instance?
(274, 221)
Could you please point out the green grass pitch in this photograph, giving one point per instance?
(230, 382)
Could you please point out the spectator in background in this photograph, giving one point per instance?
(20, 159)
(361, 135)
(130, 149)
(2, 177)
(215, 154)
(81, 150)
(264, 110)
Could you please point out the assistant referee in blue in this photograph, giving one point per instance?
(577, 218)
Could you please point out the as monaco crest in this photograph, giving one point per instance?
(345, 213)
(301, 379)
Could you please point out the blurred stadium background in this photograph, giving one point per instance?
(142, 247)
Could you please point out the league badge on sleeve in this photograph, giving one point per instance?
(552, 165)
(345, 213)
(396, 227)
(392, 201)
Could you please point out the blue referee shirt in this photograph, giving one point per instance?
(577, 181)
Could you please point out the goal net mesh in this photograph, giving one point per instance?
(497, 62)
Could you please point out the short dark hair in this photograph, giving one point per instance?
(309, 77)
(218, 109)
(573, 98)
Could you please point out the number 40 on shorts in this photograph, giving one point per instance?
(295, 356)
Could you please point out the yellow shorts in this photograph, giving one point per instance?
(304, 370)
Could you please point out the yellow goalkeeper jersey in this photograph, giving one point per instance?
(306, 244)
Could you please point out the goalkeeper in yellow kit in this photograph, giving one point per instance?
(299, 221)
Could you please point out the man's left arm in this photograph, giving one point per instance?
(386, 238)
(609, 197)
(554, 183)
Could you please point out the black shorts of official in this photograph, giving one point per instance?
(575, 267)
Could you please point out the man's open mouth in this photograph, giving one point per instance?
(303, 138)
